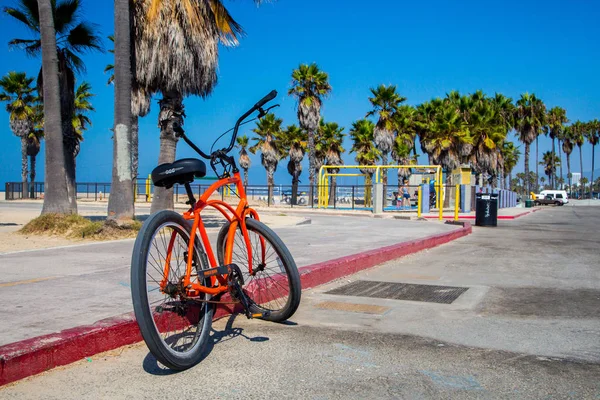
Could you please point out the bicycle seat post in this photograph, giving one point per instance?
(190, 194)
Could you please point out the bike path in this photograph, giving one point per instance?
(45, 291)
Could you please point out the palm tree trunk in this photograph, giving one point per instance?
(510, 180)
(560, 160)
(56, 199)
(295, 189)
(120, 202)
(368, 188)
(171, 108)
(32, 177)
(245, 177)
(270, 186)
(134, 146)
(553, 166)
(569, 171)
(383, 173)
(581, 169)
(537, 164)
(332, 190)
(24, 190)
(311, 164)
(592, 180)
(527, 180)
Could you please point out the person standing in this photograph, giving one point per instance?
(405, 196)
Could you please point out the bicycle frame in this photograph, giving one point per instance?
(237, 217)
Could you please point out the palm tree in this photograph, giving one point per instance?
(178, 57)
(529, 118)
(557, 118)
(73, 37)
(294, 144)
(18, 94)
(309, 86)
(82, 106)
(120, 203)
(578, 137)
(268, 141)
(510, 154)
(34, 143)
(405, 141)
(385, 102)
(443, 133)
(244, 159)
(56, 189)
(567, 147)
(332, 138)
(583, 182)
(362, 135)
(592, 134)
(549, 162)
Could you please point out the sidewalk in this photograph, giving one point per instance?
(45, 291)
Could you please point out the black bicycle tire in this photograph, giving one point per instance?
(140, 298)
(288, 261)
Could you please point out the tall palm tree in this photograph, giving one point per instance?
(592, 134)
(309, 86)
(405, 141)
(567, 147)
(18, 95)
(504, 118)
(268, 141)
(362, 134)
(176, 53)
(120, 203)
(529, 118)
(56, 196)
(385, 102)
(510, 154)
(583, 183)
(443, 134)
(557, 118)
(244, 159)
(294, 144)
(578, 138)
(549, 162)
(73, 37)
(333, 138)
(34, 143)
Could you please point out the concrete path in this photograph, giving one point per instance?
(527, 327)
(46, 291)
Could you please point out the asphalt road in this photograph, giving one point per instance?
(527, 326)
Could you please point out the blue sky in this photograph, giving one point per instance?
(427, 49)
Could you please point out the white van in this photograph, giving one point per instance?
(559, 195)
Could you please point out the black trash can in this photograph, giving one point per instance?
(486, 209)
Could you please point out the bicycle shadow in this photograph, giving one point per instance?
(153, 367)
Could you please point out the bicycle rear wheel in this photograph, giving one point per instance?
(175, 328)
(274, 285)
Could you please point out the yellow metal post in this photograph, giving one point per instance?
(148, 194)
(419, 202)
(135, 191)
(457, 203)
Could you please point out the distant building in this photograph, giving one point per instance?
(575, 178)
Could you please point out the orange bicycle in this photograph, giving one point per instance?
(176, 280)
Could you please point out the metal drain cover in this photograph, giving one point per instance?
(401, 291)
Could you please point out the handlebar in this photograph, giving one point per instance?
(258, 106)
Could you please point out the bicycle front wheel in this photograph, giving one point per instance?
(175, 328)
(274, 284)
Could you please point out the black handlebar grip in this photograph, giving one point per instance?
(265, 99)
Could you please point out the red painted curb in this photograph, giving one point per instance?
(32, 356)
